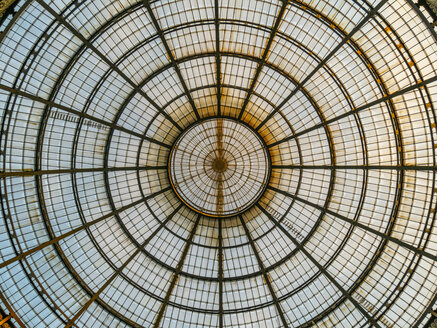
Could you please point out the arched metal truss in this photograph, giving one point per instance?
(94, 96)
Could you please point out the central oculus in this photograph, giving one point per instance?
(219, 167)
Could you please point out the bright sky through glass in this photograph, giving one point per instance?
(93, 96)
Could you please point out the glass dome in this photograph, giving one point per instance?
(218, 163)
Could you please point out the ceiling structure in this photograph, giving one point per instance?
(218, 163)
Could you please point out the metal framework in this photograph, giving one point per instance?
(96, 96)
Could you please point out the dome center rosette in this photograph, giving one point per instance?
(219, 167)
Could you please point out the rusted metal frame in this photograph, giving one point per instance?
(175, 276)
(78, 170)
(431, 12)
(264, 272)
(434, 300)
(118, 272)
(411, 267)
(218, 59)
(400, 174)
(398, 194)
(322, 269)
(359, 109)
(5, 5)
(171, 57)
(431, 321)
(13, 19)
(431, 219)
(5, 319)
(358, 224)
(357, 167)
(3, 316)
(220, 270)
(219, 203)
(11, 310)
(230, 54)
(8, 9)
(346, 39)
(81, 114)
(114, 67)
(74, 231)
(264, 56)
(332, 181)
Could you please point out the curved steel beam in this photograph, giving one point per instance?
(358, 224)
(265, 274)
(175, 277)
(171, 56)
(324, 61)
(322, 269)
(115, 68)
(80, 114)
(359, 109)
(120, 269)
(263, 59)
(76, 230)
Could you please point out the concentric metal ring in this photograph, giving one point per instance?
(219, 167)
